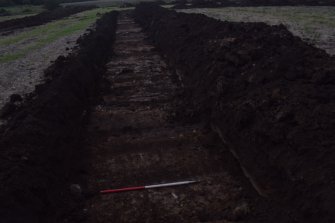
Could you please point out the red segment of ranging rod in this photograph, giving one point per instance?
(122, 190)
(146, 187)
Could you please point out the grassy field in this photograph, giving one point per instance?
(21, 11)
(105, 3)
(24, 42)
(313, 24)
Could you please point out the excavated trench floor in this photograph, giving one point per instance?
(132, 141)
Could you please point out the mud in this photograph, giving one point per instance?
(268, 94)
(9, 26)
(42, 140)
(134, 140)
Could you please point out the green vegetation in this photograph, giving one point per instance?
(43, 35)
(10, 57)
(23, 9)
(19, 11)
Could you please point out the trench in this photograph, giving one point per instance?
(133, 140)
(133, 137)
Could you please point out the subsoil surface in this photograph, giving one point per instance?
(9, 26)
(134, 140)
(268, 94)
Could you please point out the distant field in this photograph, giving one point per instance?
(25, 53)
(105, 3)
(21, 11)
(313, 24)
(15, 46)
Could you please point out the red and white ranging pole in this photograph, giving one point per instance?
(147, 187)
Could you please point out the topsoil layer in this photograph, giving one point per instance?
(40, 144)
(39, 19)
(268, 94)
(232, 3)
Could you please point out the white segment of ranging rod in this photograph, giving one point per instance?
(170, 184)
(119, 190)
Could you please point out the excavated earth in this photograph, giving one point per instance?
(252, 3)
(269, 95)
(134, 140)
(245, 108)
(40, 146)
(9, 26)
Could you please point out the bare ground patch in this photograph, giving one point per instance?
(20, 76)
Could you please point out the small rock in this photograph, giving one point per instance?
(284, 115)
(76, 190)
(241, 211)
(174, 195)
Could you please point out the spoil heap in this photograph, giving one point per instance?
(40, 143)
(267, 93)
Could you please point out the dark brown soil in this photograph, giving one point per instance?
(133, 140)
(246, 108)
(238, 3)
(268, 94)
(42, 18)
(41, 142)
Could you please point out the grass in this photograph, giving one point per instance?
(312, 15)
(21, 11)
(104, 3)
(10, 57)
(43, 35)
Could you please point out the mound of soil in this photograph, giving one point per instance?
(231, 3)
(268, 94)
(39, 19)
(40, 144)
